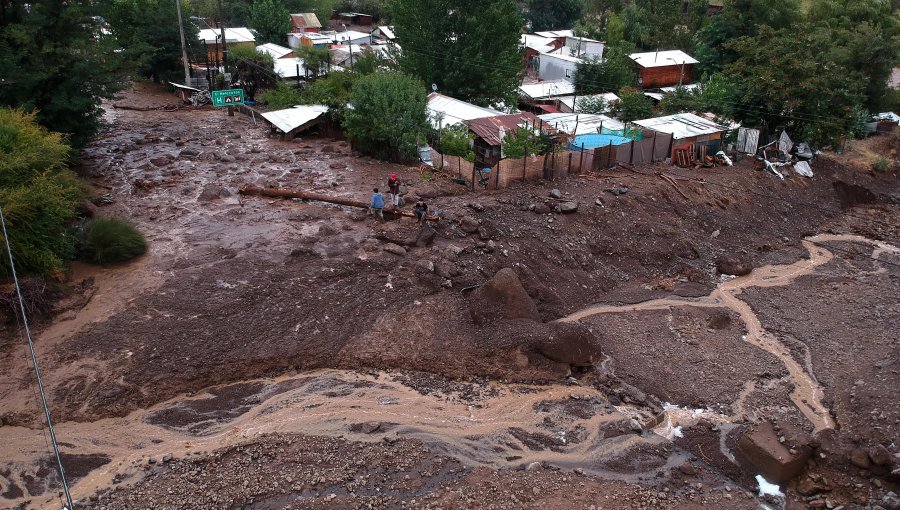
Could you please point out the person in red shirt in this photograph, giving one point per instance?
(394, 189)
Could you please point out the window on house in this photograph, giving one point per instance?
(568, 73)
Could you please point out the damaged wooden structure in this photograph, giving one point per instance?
(292, 121)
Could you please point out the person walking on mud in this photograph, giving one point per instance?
(394, 189)
(376, 206)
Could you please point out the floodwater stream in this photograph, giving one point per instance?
(499, 425)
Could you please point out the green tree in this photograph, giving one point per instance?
(680, 100)
(663, 24)
(281, 96)
(38, 194)
(526, 142)
(252, 70)
(612, 72)
(740, 18)
(633, 105)
(315, 60)
(234, 13)
(783, 80)
(332, 91)
(147, 32)
(864, 37)
(716, 95)
(388, 117)
(456, 140)
(592, 104)
(469, 48)
(553, 14)
(271, 20)
(54, 61)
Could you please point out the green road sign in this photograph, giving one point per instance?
(227, 97)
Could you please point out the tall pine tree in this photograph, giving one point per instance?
(470, 49)
(55, 60)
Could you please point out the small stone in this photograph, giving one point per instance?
(860, 458)
(879, 455)
(568, 207)
(395, 249)
(167, 457)
(555, 193)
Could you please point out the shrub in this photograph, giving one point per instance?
(38, 194)
(111, 240)
(281, 96)
(881, 166)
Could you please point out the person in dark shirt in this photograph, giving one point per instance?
(421, 210)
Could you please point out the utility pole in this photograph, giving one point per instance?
(184, 59)
(224, 41)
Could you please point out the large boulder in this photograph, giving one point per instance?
(734, 264)
(763, 452)
(571, 343)
(502, 297)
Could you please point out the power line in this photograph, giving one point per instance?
(37, 370)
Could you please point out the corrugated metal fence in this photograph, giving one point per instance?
(558, 165)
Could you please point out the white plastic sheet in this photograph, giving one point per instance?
(785, 144)
(803, 168)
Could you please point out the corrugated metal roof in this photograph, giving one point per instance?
(547, 89)
(582, 123)
(538, 43)
(562, 54)
(387, 31)
(454, 111)
(689, 86)
(488, 128)
(681, 125)
(346, 36)
(291, 118)
(662, 58)
(553, 34)
(290, 67)
(273, 49)
(305, 20)
(232, 35)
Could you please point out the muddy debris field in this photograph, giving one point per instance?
(729, 341)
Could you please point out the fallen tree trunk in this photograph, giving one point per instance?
(249, 189)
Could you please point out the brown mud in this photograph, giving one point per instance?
(282, 354)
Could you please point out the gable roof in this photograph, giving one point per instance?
(662, 58)
(681, 125)
(387, 32)
(290, 119)
(488, 128)
(305, 20)
(553, 34)
(232, 35)
(547, 89)
(274, 50)
(454, 111)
